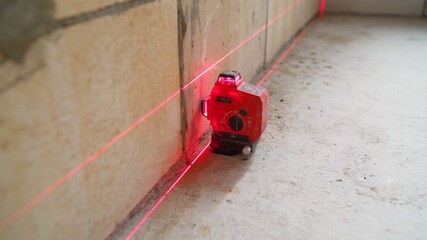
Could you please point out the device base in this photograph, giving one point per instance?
(230, 144)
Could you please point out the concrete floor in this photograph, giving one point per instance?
(344, 155)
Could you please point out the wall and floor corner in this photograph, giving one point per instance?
(383, 7)
(78, 77)
(343, 156)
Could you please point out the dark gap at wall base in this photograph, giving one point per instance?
(154, 193)
(164, 183)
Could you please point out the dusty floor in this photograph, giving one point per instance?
(344, 155)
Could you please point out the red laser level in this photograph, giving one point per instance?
(238, 113)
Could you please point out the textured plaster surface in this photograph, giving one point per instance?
(78, 88)
(343, 156)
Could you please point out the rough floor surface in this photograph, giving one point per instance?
(344, 155)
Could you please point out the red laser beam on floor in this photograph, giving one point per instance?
(286, 53)
(29, 205)
(294, 43)
(147, 215)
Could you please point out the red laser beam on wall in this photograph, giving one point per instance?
(285, 54)
(281, 14)
(25, 208)
(322, 7)
(29, 205)
(148, 214)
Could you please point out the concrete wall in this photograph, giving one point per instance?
(75, 89)
(388, 7)
(75, 74)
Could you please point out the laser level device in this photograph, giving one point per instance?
(238, 113)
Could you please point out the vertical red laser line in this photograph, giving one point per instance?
(71, 173)
(147, 215)
(27, 206)
(165, 194)
(285, 54)
(281, 14)
(322, 7)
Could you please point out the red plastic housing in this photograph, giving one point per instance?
(236, 107)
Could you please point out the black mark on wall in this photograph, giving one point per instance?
(113, 9)
(22, 78)
(22, 22)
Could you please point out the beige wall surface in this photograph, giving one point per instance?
(425, 10)
(393, 7)
(75, 74)
(75, 89)
(300, 13)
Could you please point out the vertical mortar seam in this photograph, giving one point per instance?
(181, 25)
(266, 36)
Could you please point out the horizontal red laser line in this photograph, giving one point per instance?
(29, 205)
(281, 14)
(147, 215)
(144, 219)
(322, 7)
(71, 173)
(285, 54)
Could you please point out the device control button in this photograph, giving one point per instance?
(235, 123)
(243, 112)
